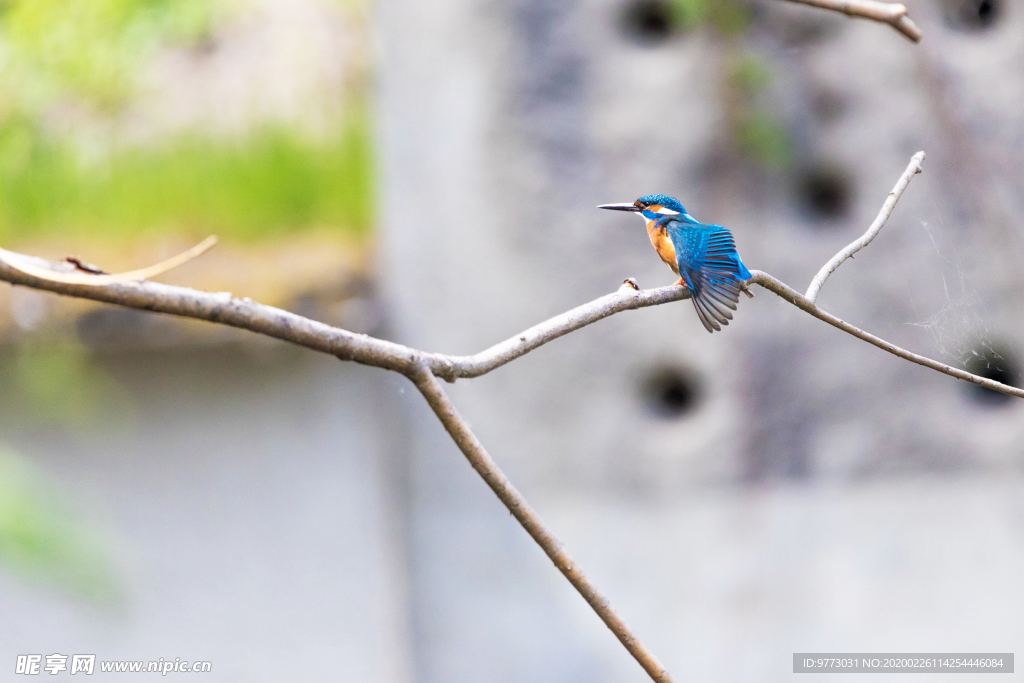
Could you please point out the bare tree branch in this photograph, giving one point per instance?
(485, 466)
(894, 14)
(424, 368)
(864, 240)
(274, 322)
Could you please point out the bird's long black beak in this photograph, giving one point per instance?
(620, 207)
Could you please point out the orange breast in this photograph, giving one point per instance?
(663, 245)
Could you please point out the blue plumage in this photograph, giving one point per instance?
(662, 200)
(709, 266)
(703, 255)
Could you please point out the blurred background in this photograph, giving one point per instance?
(427, 172)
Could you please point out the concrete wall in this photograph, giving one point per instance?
(818, 494)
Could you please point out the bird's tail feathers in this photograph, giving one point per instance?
(715, 295)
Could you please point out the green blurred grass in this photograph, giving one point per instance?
(90, 53)
(42, 539)
(271, 182)
(56, 383)
(92, 49)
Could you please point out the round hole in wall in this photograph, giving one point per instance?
(995, 364)
(649, 22)
(824, 194)
(972, 15)
(671, 392)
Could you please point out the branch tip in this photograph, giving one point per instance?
(894, 14)
(913, 168)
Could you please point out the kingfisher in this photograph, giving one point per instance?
(704, 256)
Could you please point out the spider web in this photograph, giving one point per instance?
(959, 330)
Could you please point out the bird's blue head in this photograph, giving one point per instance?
(651, 206)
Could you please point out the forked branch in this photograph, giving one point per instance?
(424, 368)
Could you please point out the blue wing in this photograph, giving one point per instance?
(710, 267)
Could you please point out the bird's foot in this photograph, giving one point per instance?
(680, 282)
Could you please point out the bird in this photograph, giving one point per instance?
(703, 255)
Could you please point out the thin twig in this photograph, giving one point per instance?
(864, 240)
(82, 274)
(173, 262)
(890, 13)
(485, 466)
